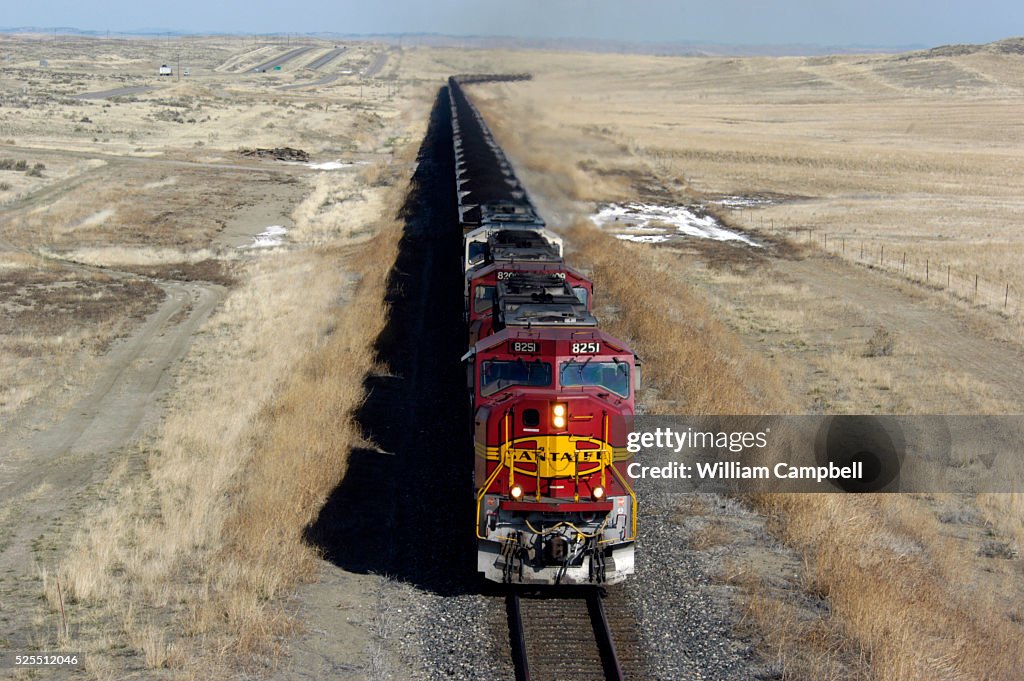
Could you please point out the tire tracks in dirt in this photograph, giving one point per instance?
(942, 332)
(53, 456)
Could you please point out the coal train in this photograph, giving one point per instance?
(552, 394)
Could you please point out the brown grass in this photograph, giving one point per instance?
(698, 366)
(300, 457)
(196, 558)
(204, 548)
(904, 593)
(903, 597)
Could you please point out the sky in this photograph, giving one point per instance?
(747, 22)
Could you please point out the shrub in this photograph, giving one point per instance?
(881, 344)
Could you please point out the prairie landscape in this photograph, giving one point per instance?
(190, 333)
(165, 296)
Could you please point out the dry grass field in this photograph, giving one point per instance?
(917, 153)
(185, 330)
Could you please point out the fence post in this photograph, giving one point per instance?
(947, 276)
(926, 272)
(881, 256)
(825, 237)
(975, 287)
(844, 245)
(903, 267)
(1006, 296)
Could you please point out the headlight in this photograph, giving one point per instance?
(597, 493)
(558, 416)
(516, 492)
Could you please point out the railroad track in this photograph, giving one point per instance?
(565, 635)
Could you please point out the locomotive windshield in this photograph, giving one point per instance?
(612, 376)
(498, 374)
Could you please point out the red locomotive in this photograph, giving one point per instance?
(482, 285)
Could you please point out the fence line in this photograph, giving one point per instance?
(965, 284)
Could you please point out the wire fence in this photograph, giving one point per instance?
(966, 284)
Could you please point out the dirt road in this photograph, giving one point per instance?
(379, 62)
(53, 455)
(814, 317)
(116, 92)
(941, 337)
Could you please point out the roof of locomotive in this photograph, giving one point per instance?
(567, 311)
(536, 286)
(529, 267)
(512, 243)
(521, 244)
(543, 253)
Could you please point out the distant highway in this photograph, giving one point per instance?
(319, 81)
(378, 63)
(278, 61)
(117, 92)
(326, 59)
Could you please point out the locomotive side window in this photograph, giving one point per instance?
(483, 298)
(476, 252)
(497, 374)
(581, 293)
(612, 376)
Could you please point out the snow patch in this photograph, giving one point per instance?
(655, 221)
(330, 165)
(743, 201)
(268, 238)
(166, 182)
(644, 238)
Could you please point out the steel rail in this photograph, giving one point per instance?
(517, 636)
(603, 634)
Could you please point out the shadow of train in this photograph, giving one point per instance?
(405, 510)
